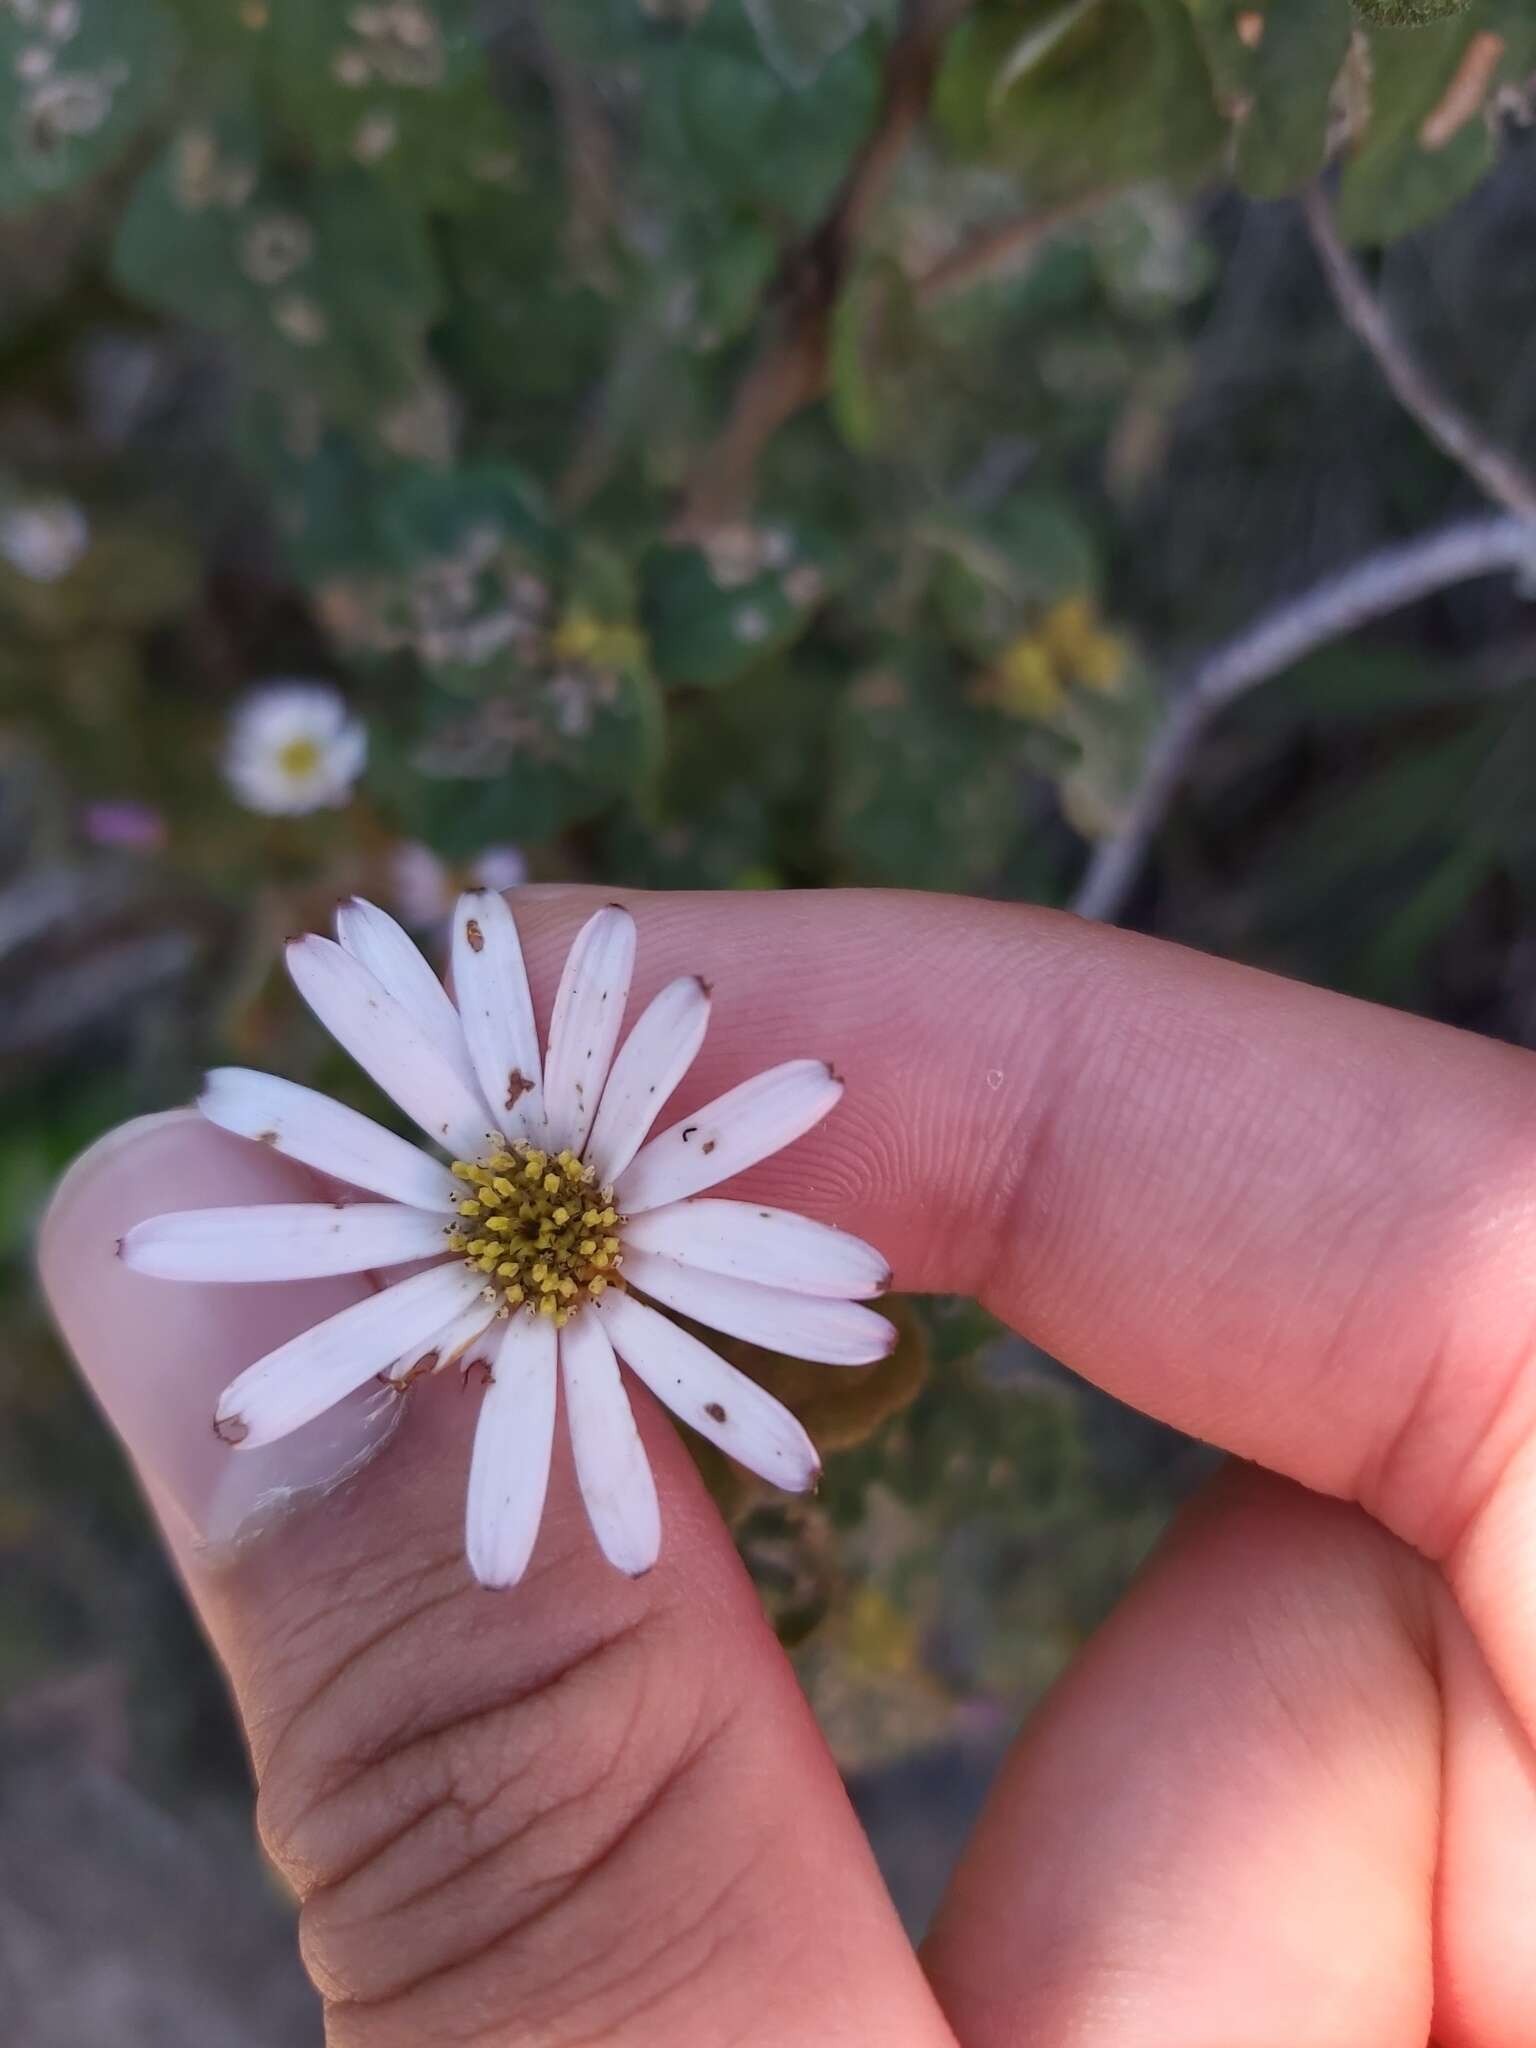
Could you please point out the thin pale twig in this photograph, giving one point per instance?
(1505, 480)
(1339, 605)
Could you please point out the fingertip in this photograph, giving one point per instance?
(157, 1354)
(138, 1140)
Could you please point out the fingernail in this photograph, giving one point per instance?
(156, 1354)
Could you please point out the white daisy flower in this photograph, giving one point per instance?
(294, 747)
(499, 867)
(556, 1231)
(423, 888)
(45, 539)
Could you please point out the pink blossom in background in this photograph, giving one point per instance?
(120, 822)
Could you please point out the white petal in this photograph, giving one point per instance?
(509, 1471)
(709, 1395)
(313, 1371)
(652, 1060)
(775, 1247)
(584, 1029)
(391, 956)
(730, 1134)
(799, 1325)
(387, 1043)
(448, 1345)
(283, 1241)
(491, 983)
(616, 1480)
(325, 1135)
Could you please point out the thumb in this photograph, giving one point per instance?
(589, 1809)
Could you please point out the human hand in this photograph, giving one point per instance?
(1287, 1796)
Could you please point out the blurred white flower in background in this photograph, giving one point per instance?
(420, 886)
(44, 538)
(423, 888)
(499, 867)
(293, 747)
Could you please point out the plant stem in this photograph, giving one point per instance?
(1339, 605)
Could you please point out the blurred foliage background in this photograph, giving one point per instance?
(700, 443)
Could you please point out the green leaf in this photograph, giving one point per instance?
(756, 138)
(76, 85)
(1394, 958)
(1410, 13)
(993, 575)
(1281, 141)
(1418, 799)
(739, 802)
(1424, 149)
(1353, 686)
(456, 568)
(713, 616)
(800, 37)
(876, 333)
(325, 281)
(522, 763)
(401, 92)
(430, 517)
(925, 786)
(524, 333)
(1080, 95)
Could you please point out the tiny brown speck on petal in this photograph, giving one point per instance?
(266, 1137)
(230, 1429)
(709, 1145)
(714, 1409)
(475, 936)
(518, 1085)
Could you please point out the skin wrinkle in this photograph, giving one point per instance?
(405, 1735)
(316, 1703)
(1459, 1539)
(716, 1916)
(1032, 1247)
(334, 1701)
(1510, 1433)
(717, 1905)
(469, 1864)
(356, 1582)
(441, 1794)
(583, 1874)
(462, 1764)
(413, 1748)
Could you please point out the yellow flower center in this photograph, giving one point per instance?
(299, 759)
(540, 1229)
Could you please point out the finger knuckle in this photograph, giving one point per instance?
(499, 1837)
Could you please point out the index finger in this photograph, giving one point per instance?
(1291, 1223)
